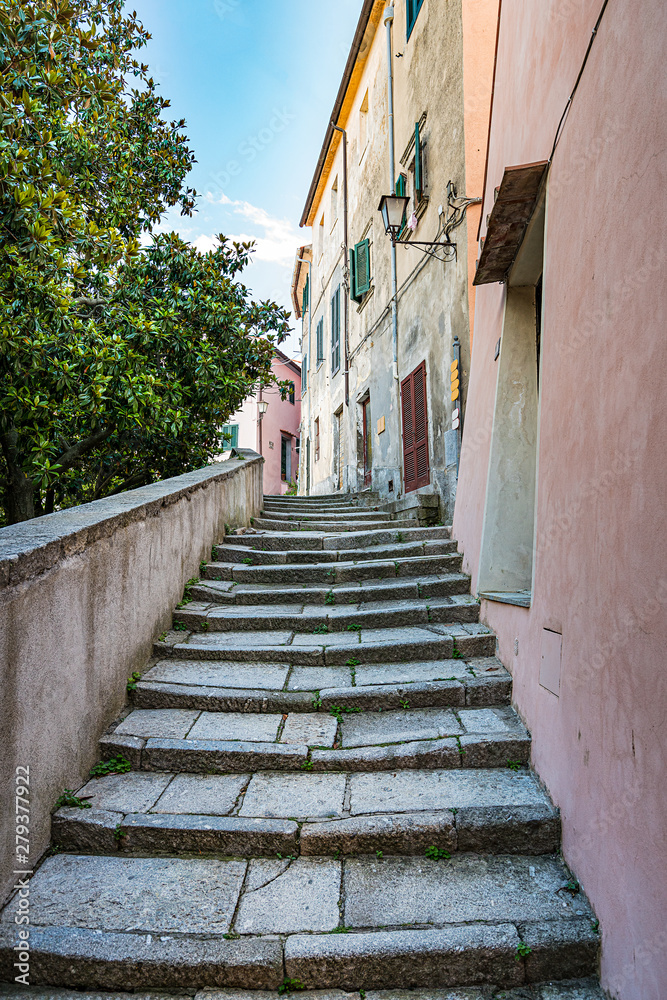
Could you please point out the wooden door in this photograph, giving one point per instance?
(416, 470)
(368, 458)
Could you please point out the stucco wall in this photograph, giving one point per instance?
(600, 555)
(83, 594)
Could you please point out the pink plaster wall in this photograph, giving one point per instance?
(600, 564)
(282, 417)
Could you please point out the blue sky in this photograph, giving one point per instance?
(255, 81)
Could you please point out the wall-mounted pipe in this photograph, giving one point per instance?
(389, 21)
(346, 266)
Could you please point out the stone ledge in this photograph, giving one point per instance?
(33, 547)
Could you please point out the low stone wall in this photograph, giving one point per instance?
(83, 594)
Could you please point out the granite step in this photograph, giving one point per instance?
(336, 524)
(276, 812)
(343, 739)
(354, 515)
(219, 686)
(341, 571)
(124, 922)
(234, 551)
(281, 541)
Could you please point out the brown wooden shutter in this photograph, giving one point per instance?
(415, 430)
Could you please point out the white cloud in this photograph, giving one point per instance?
(276, 240)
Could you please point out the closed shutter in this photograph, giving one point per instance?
(415, 430)
(320, 341)
(304, 298)
(419, 173)
(335, 331)
(362, 268)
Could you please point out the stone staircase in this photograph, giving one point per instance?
(319, 784)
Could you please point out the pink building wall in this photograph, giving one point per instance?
(282, 419)
(600, 557)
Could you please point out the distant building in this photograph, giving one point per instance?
(377, 407)
(275, 434)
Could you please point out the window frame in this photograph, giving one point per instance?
(335, 332)
(412, 8)
(319, 341)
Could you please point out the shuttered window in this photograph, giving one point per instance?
(305, 296)
(415, 430)
(360, 270)
(335, 331)
(230, 436)
(412, 10)
(320, 341)
(304, 375)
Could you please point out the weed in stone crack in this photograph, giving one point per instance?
(341, 930)
(132, 681)
(419, 589)
(118, 834)
(405, 703)
(287, 857)
(202, 566)
(290, 985)
(307, 765)
(54, 849)
(68, 798)
(572, 887)
(354, 628)
(317, 701)
(204, 626)
(379, 855)
(462, 752)
(522, 950)
(330, 598)
(162, 637)
(362, 994)
(396, 565)
(231, 937)
(437, 853)
(321, 629)
(228, 529)
(595, 924)
(352, 662)
(456, 652)
(247, 561)
(400, 537)
(179, 627)
(353, 675)
(428, 613)
(337, 854)
(183, 603)
(338, 711)
(117, 765)
(514, 765)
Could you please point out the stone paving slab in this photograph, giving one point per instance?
(200, 794)
(125, 793)
(227, 726)
(399, 891)
(219, 757)
(411, 791)
(223, 835)
(314, 678)
(408, 833)
(303, 898)
(486, 720)
(313, 729)
(411, 672)
(376, 728)
(154, 895)
(298, 795)
(174, 723)
(268, 676)
(240, 639)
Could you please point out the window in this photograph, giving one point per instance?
(317, 439)
(320, 237)
(334, 202)
(418, 167)
(305, 296)
(285, 458)
(335, 331)
(290, 394)
(360, 270)
(363, 125)
(416, 469)
(230, 436)
(304, 375)
(412, 8)
(320, 341)
(367, 437)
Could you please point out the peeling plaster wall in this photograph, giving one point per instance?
(83, 594)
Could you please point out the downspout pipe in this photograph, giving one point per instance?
(389, 21)
(302, 260)
(346, 265)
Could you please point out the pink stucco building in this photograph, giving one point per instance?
(560, 508)
(275, 434)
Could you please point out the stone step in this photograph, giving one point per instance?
(336, 524)
(280, 541)
(319, 619)
(237, 553)
(573, 989)
(228, 592)
(349, 739)
(433, 641)
(342, 571)
(170, 923)
(367, 496)
(354, 515)
(274, 507)
(269, 813)
(219, 686)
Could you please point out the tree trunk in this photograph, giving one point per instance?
(19, 490)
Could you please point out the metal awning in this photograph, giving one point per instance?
(514, 205)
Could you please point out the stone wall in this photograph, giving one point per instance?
(83, 594)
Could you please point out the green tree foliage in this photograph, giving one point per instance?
(122, 353)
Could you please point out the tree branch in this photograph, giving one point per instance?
(77, 451)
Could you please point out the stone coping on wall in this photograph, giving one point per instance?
(31, 548)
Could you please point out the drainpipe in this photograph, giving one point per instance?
(259, 421)
(346, 266)
(302, 260)
(389, 20)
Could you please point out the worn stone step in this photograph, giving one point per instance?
(319, 618)
(341, 571)
(269, 813)
(433, 641)
(336, 524)
(354, 515)
(281, 541)
(235, 553)
(350, 740)
(228, 592)
(218, 686)
(131, 923)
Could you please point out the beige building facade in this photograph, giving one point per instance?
(379, 337)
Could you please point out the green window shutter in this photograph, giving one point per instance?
(304, 374)
(335, 331)
(418, 161)
(362, 267)
(230, 436)
(353, 278)
(400, 186)
(305, 296)
(320, 341)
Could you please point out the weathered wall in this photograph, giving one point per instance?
(83, 594)
(600, 556)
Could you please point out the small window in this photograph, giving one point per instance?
(285, 458)
(291, 393)
(304, 375)
(363, 125)
(412, 10)
(360, 270)
(320, 341)
(320, 237)
(334, 202)
(230, 436)
(335, 331)
(317, 439)
(305, 296)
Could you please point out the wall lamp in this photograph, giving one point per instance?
(262, 407)
(394, 210)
